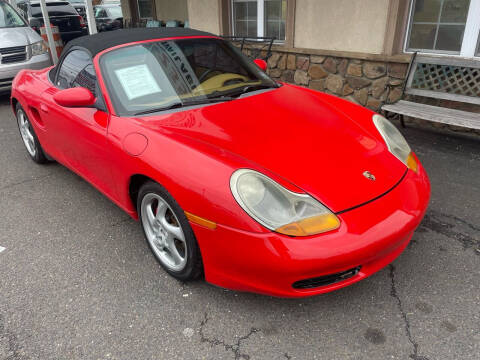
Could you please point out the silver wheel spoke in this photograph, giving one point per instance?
(29, 136)
(31, 143)
(150, 215)
(172, 229)
(161, 211)
(176, 257)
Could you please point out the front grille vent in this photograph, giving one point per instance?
(12, 50)
(6, 82)
(13, 54)
(14, 58)
(326, 280)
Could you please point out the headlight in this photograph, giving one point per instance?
(279, 209)
(395, 141)
(38, 48)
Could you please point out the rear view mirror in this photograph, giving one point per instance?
(262, 64)
(74, 97)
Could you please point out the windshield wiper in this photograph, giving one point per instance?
(249, 88)
(240, 91)
(149, 111)
(186, 103)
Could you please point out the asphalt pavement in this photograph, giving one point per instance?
(77, 280)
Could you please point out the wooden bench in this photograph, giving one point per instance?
(440, 78)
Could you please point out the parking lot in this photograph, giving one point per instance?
(78, 281)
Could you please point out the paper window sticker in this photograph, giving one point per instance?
(137, 81)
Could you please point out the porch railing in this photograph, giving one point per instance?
(130, 23)
(253, 47)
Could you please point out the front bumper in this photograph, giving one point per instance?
(370, 237)
(8, 71)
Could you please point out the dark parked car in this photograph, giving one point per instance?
(108, 17)
(61, 13)
(79, 5)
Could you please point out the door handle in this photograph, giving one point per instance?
(44, 108)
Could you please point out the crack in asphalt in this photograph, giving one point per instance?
(234, 348)
(394, 293)
(446, 225)
(13, 348)
(24, 182)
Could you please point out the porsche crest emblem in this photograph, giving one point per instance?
(369, 175)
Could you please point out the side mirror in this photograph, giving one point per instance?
(262, 64)
(74, 97)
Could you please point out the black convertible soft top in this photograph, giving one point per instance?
(105, 40)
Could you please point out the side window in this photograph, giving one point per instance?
(77, 70)
(100, 13)
(87, 79)
(23, 10)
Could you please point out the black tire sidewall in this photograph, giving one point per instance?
(39, 157)
(193, 267)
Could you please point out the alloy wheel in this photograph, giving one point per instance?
(164, 232)
(26, 132)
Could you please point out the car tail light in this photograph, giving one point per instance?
(82, 22)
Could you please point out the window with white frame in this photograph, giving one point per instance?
(259, 18)
(477, 52)
(444, 27)
(145, 9)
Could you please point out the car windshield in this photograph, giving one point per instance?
(115, 11)
(159, 75)
(9, 18)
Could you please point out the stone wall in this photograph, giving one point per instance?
(365, 82)
(368, 83)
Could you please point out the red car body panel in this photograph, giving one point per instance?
(304, 144)
(371, 236)
(305, 140)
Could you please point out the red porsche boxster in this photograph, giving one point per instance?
(260, 186)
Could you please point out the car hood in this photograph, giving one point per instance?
(19, 36)
(301, 137)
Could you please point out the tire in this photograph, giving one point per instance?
(30, 140)
(168, 232)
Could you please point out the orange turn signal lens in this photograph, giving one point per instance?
(412, 162)
(310, 226)
(200, 221)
